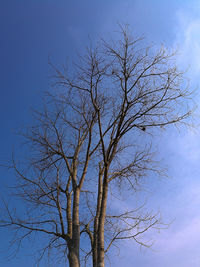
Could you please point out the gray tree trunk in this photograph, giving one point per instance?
(100, 241)
(73, 255)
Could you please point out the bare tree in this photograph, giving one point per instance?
(85, 143)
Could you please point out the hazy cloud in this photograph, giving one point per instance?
(188, 40)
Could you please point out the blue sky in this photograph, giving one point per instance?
(33, 30)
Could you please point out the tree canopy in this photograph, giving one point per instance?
(86, 144)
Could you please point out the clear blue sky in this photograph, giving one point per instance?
(33, 30)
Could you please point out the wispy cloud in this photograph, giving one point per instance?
(188, 40)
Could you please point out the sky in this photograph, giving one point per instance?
(31, 31)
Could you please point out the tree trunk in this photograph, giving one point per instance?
(100, 241)
(94, 246)
(96, 221)
(73, 255)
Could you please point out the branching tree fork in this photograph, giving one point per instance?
(85, 142)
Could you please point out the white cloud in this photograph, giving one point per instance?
(188, 41)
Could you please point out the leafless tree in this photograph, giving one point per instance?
(85, 143)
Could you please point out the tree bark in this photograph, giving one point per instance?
(94, 245)
(96, 221)
(100, 240)
(73, 255)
